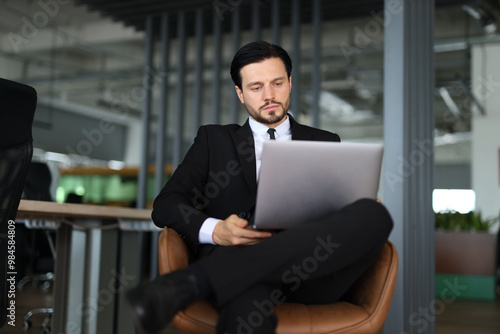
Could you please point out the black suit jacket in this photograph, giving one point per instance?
(217, 178)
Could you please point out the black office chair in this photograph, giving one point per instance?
(38, 235)
(17, 109)
(40, 239)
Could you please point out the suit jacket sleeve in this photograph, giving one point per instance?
(178, 204)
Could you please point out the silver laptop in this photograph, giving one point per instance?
(303, 181)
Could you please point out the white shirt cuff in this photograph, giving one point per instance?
(207, 230)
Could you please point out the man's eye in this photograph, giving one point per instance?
(278, 84)
(255, 89)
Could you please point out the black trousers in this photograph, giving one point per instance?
(315, 263)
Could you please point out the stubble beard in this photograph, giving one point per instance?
(271, 118)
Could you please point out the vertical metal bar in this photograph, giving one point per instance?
(146, 114)
(129, 261)
(64, 244)
(142, 187)
(236, 40)
(91, 280)
(394, 124)
(408, 163)
(255, 20)
(162, 113)
(426, 134)
(295, 103)
(216, 86)
(75, 270)
(107, 263)
(179, 112)
(316, 62)
(275, 22)
(160, 136)
(198, 71)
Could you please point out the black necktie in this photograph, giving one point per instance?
(271, 133)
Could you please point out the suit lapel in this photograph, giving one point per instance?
(299, 132)
(244, 144)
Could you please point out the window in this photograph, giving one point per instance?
(459, 200)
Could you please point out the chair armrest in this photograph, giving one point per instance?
(172, 251)
(376, 286)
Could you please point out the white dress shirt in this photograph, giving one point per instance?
(260, 135)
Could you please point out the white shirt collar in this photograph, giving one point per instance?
(261, 129)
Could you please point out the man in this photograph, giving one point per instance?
(211, 195)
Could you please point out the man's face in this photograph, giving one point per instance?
(265, 91)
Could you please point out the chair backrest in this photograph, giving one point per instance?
(38, 182)
(17, 109)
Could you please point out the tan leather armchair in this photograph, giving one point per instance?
(364, 312)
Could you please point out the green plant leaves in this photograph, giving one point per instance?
(466, 222)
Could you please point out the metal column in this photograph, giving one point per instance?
(162, 113)
(198, 72)
(181, 74)
(146, 113)
(216, 86)
(275, 22)
(256, 20)
(316, 62)
(64, 241)
(408, 163)
(161, 135)
(295, 99)
(133, 242)
(236, 40)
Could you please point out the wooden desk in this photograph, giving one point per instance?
(98, 252)
(53, 210)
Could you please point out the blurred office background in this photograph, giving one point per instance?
(86, 59)
(98, 65)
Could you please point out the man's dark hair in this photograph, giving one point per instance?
(256, 52)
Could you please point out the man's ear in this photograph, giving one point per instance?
(240, 94)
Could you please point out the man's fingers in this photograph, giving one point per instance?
(233, 231)
(251, 234)
(242, 223)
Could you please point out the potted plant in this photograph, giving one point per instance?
(465, 255)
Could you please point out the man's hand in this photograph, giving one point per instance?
(233, 231)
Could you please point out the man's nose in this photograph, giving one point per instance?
(269, 93)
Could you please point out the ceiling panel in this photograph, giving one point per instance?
(133, 12)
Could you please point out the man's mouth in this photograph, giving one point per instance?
(271, 107)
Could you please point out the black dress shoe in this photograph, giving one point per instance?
(154, 304)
